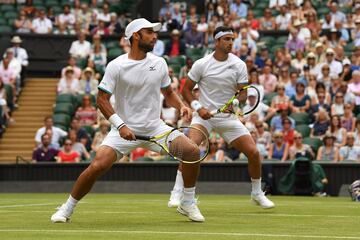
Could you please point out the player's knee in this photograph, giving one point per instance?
(98, 166)
(253, 154)
(194, 152)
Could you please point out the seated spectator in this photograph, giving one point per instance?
(66, 18)
(335, 87)
(337, 108)
(263, 136)
(215, 153)
(3, 105)
(350, 151)
(284, 76)
(355, 33)
(88, 84)
(276, 121)
(193, 38)
(99, 60)
(104, 15)
(82, 135)
(175, 46)
(328, 152)
(295, 43)
(354, 86)
(159, 48)
(100, 135)
(68, 154)
(87, 113)
(80, 49)
(15, 65)
(29, 9)
(139, 153)
(252, 22)
(8, 76)
(280, 99)
(101, 29)
(267, 22)
(279, 149)
(321, 125)
(254, 81)
(83, 16)
(347, 71)
(334, 65)
(185, 69)
(283, 19)
(311, 88)
(300, 102)
(337, 130)
(268, 80)
(44, 153)
(96, 41)
(41, 24)
(288, 132)
(169, 114)
(298, 62)
(209, 40)
(68, 84)
(298, 149)
(239, 8)
(23, 23)
(325, 102)
(57, 133)
(78, 147)
(72, 63)
(265, 112)
(357, 132)
(317, 105)
(114, 26)
(348, 120)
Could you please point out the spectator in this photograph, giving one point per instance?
(159, 48)
(279, 149)
(21, 55)
(83, 17)
(280, 99)
(300, 102)
(260, 146)
(68, 84)
(80, 49)
(114, 26)
(175, 46)
(8, 75)
(335, 86)
(335, 14)
(264, 55)
(328, 152)
(104, 16)
(3, 105)
(76, 69)
(252, 22)
(68, 155)
(100, 135)
(267, 22)
(264, 111)
(86, 113)
(311, 88)
(263, 136)
(320, 53)
(239, 8)
(347, 71)
(321, 125)
(287, 131)
(78, 147)
(283, 20)
(348, 120)
(337, 108)
(169, 114)
(337, 130)
(44, 153)
(276, 3)
(15, 65)
(284, 76)
(254, 80)
(101, 29)
(304, 33)
(57, 133)
(324, 76)
(354, 86)
(29, 9)
(202, 26)
(66, 18)
(88, 84)
(357, 132)
(166, 8)
(335, 66)
(312, 23)
(193, 38)
(268, 80)
(295, 43)
(184, 71)
(41, 24)
(99, 60)
(23, 23)
(276, 121)
(298, 62)
(355, 33)
(349, 97)
(209, 40)
(215, 154)
(299, 149)
(349, 151)
(82, 135)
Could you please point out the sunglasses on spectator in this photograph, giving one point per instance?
(297, 138)
(277, 137)
(286, 122)
(259, 126)
(339, 96)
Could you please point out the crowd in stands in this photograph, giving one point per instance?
(302, 55)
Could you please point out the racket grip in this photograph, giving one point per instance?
(141, 137)
(213, 112)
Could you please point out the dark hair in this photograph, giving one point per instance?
(319, 85)
(222, 29)
(47, 117)
(45, 134)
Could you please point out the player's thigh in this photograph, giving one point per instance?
(246, 145)
(230, 129)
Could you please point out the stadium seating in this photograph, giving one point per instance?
(314, 143)
(62, 120)
(303, 129)
(114, 53)
(300, 118)
(64, 108)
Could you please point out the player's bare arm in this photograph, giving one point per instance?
(189, 97)
(173, 100)
(103, 102)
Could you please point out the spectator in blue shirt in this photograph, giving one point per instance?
(239, 8)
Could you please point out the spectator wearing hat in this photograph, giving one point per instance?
(300, 102)
(72, 63)
(321, 125)
(328, 152)
(88, 84)
(335, 66)
(350, 151)
(311, 63)
(41, 24)
(295, 43)
(276, 121)
(175, 46)
(21, 55)
(347, 71)
(279, 148)
(80, 49)
(68, 83)
(304, 33)
(319, 52)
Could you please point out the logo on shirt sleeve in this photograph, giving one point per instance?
(152, 68)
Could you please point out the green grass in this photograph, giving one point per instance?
(120, 216)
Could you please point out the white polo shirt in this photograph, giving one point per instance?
(136, 86)
(218, 81)
(42, 26)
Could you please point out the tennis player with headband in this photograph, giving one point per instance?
(136, 79)
(219, 75)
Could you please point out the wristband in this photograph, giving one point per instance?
(196, 105)
(116, 121)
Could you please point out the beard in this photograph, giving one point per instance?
(145, 47)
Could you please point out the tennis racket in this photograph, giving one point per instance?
(232, 105)
(179, 145)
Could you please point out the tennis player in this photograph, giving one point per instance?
(219, 75)
(135, 79)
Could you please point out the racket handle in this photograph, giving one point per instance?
(213, 112)
(141, 137)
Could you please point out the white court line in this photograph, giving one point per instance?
(179, 233)
(27, 205)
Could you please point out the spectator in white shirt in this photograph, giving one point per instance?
(57, 133)
(80, 48)
(335, 66)
(14, 65)
(42, 25)
(283, 20)
(66, 18)
(277, 3)
(21, 55)
(105, 14)
(68, 84)
(72, 63)
(350, 151)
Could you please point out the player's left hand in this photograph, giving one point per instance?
(186, 112)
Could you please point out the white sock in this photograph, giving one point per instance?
(71, 203)
(179, 182)
(256, 186)
(189, 195)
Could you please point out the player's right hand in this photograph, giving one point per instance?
(204, 113)
(127, 134)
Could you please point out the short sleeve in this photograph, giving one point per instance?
(243, 74)
(108, 82)
(165, 80)
(195, 72)
(342, 152)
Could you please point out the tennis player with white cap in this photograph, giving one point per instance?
(136, 80)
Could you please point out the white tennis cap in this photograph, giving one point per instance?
(251, 92)
(138, 24)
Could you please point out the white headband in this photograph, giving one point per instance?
(221, 33)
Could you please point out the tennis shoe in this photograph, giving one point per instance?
(191, 210)
(262, 200)
(175, 198)
(62, 215)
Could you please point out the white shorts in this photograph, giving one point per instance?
(229, 127)
(122, 146)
